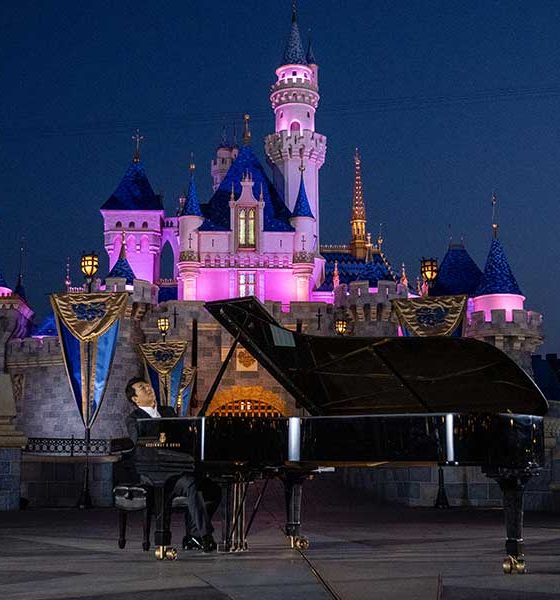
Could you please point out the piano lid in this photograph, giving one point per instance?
(359, 375)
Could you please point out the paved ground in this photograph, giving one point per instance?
(363, 551)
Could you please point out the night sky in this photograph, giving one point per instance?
(446, 100)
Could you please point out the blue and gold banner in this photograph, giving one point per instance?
(172, 382)
(88, 327)
(438, 315)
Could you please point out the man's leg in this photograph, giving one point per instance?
(197, 521)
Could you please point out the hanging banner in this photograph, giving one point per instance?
(88, 327)
(438, 315)
(164, 363)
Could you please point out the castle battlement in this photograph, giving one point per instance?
(33, 352)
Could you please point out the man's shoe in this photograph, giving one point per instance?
(208, 544)
(190, 542)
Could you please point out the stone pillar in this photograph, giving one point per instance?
(12, 442)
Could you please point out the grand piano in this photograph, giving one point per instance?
(371, 401)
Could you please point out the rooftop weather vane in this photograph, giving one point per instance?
(494, 215)
(138, 139)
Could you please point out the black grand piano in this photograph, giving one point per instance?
(372, 401)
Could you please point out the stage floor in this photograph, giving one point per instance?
(362, 550)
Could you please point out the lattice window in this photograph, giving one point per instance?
(246, 408)
(246, 222)
(247, 284)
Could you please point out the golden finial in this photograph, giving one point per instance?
(246, 130)
(138, 139)
(192, 165)
(380, 236)
(494, 215)
(232, 194)
(261, 195)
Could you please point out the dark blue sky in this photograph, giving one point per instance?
(447, 101)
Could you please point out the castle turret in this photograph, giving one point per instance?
(136, 209)
(225, 155)
(303, 222)
(5, 290)
(190, 220)
(294, 98)
(358, 220)
(499, 316)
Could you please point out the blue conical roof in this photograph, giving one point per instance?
(122, 269)
(458, 274)
(20, 289)
(134, 192)
(310, 56)
(294, 54)
(217, 212)
(302, 208)
(497, 277)
(192, 205)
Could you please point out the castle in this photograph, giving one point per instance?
(257, 235)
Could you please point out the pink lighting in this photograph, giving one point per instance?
(507, 302)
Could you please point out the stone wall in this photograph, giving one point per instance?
(10, 473)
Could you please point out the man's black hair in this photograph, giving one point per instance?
(129, 390)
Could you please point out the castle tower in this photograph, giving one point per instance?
(135, 209)
(358, 220)
(225, 155)
(190, 220)
(499, 316)
(294, 99)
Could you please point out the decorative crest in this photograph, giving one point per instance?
(138, 139)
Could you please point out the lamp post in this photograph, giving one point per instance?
(89, 264)
(429, 272)
(163, 326)
(341, 325)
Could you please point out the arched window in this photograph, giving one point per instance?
(118, 225)
(247, 227)
(145, 225)
(295, 127)
(242, 227)
(131, 225)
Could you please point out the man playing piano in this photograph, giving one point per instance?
(203, 495)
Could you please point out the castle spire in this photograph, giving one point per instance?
(336, 275)
(19, 288)
(302, 207)
(358, 220)
(122, 253)
(138, 139)
(191, 208)
(294, 54)
(310, 55)
(494, 216)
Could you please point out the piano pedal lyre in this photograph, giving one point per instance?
(165, 553)
(299, 542)
(512, 565)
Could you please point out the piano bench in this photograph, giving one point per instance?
(132, 498)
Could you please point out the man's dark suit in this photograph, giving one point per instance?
(198, 518)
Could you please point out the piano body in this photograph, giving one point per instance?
(372, 401)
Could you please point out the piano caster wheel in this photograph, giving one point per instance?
(166, 553)
(512, 565)
(299, 542)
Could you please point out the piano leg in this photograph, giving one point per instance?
(293, 488)
(513, 485)
(233, 516)
(162, 510)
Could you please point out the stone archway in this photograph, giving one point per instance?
(247, 401)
